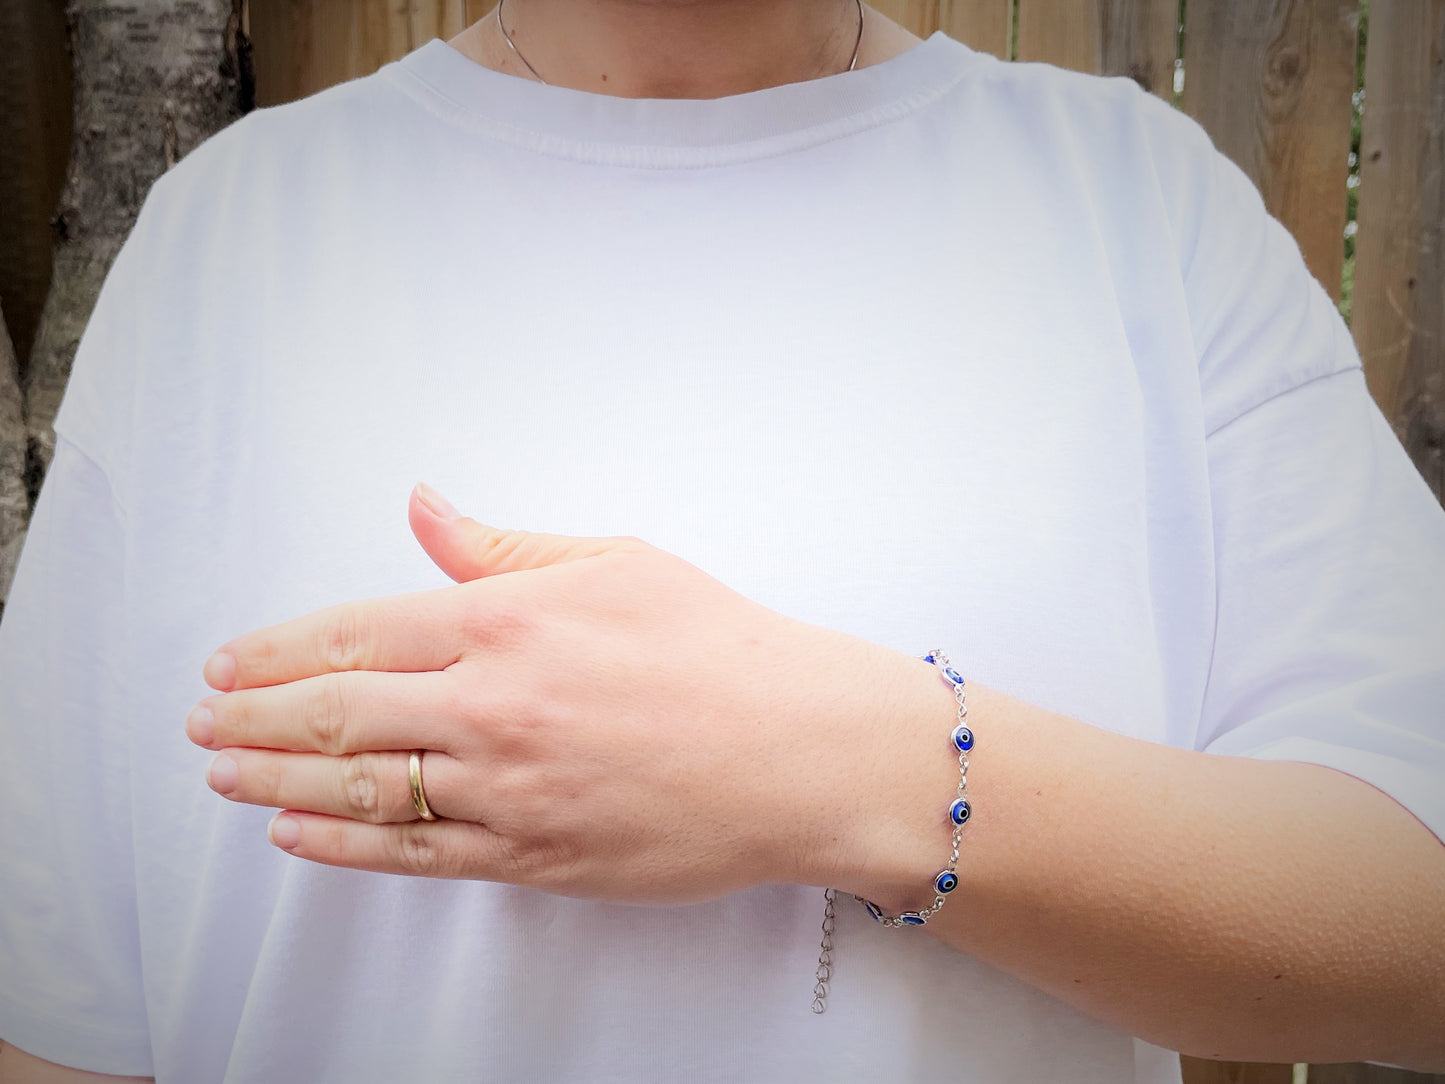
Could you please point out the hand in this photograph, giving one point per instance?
(600, 719)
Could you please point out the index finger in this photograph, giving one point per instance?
(413, 632)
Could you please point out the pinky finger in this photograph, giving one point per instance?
(441, 848)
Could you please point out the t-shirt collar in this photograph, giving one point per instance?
(681, 131)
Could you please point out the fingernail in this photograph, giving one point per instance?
(200, 725)
(222, 774)
(284, 832)
(438, 504)
(220, 671)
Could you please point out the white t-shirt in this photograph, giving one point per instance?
(942, 352)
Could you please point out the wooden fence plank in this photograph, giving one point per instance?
(302, 46)
(1271, 83)
(918, 16)
(1201, 1071)
(295, 49)
(1371, 1074)
(980, 24)
(1137, 38)
(1398, 311)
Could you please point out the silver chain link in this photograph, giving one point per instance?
(825, 948)
(825, 955)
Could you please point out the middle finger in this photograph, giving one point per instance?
(351, 711)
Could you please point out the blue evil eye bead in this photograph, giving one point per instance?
(953, 675)
(911, 918)
(874, 910)
(962, 738)
(958, 812)
(945, 882)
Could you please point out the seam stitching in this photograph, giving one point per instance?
(607, 154)
(1282, 392)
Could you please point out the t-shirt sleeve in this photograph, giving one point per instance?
(98, 408)
(1329, 642)
(70, 970)
(70, 974)
(1330, 565)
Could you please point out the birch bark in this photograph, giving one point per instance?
(151, 81)
(14, 506)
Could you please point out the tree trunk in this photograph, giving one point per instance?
(151, 81)
(35, 113)
(14, 507)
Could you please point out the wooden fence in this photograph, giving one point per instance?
(1273, 82)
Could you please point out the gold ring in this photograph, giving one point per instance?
(418, 795)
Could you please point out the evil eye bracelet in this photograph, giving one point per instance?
(960, 742)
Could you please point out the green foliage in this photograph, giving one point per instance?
(1179, 54)
(1352, 189)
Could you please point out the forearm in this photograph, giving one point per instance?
(1220, 906)
(18, 1067)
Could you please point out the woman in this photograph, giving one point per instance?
(770, 348)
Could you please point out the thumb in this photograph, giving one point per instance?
(467, 550)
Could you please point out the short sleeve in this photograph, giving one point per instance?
(1330, 622)
(99, 406)
(70, 974)
(1260, 322)
(1329, 548)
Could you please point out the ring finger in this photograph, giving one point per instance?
(369, 786)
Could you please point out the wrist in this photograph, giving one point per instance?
(896, 836)
(883, 853)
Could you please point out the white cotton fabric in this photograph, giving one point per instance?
(942, 352)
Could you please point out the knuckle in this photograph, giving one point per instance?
(341, 846)
(342, 639)
(325, 715)
(258, 656)
(537, 861)
(510, 789)
(418, 851)
(235, 722)
(462, 701)
(258, 778)
(517, 728)
(498, 619)
(527, 803)
(265, 780)
(470, 711)
(498, 545)
(361, 780)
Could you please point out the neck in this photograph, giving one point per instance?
(679, 48)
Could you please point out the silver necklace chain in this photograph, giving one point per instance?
(513, 45)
